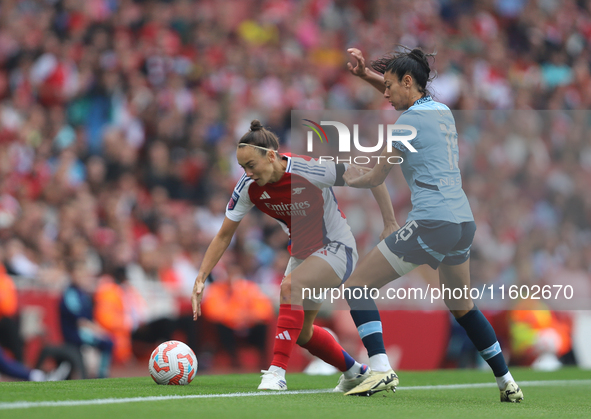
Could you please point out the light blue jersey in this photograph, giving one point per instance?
(432, 173)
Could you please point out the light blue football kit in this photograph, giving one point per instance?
(440, 228)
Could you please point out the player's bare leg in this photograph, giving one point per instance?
(296, 325)
(374, 271)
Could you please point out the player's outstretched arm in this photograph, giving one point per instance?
(382, 197)
(359, 69)
(212, 256)
(358, 178)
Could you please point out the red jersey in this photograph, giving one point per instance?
(302, 201)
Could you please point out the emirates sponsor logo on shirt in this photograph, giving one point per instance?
(291, 209)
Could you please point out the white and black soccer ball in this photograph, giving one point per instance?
(173, 363)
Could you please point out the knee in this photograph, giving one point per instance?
(354, 280)
(459, 307)
(286, 290)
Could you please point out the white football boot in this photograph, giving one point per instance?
(512, 393)
(270, 380)
(377, 381)
(344, 384)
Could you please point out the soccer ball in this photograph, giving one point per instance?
(173, 363)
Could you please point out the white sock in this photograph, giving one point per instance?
(504, 380)
(353, 371)
(278, 370)
(379, 362)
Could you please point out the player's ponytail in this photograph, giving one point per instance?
(421, 58)
(406, 61)
(260, 137)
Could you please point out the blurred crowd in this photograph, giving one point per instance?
(119, 121)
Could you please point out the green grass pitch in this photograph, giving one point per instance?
(569, 396)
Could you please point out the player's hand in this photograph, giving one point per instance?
(389, 229)
(196, 297)
(352, 175)
(359, 62)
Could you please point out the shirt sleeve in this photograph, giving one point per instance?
(322, 174)
(407, 118)
(240, 202)
(400, 147)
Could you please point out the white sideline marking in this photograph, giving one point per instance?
(28, 405)
(540, 383)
